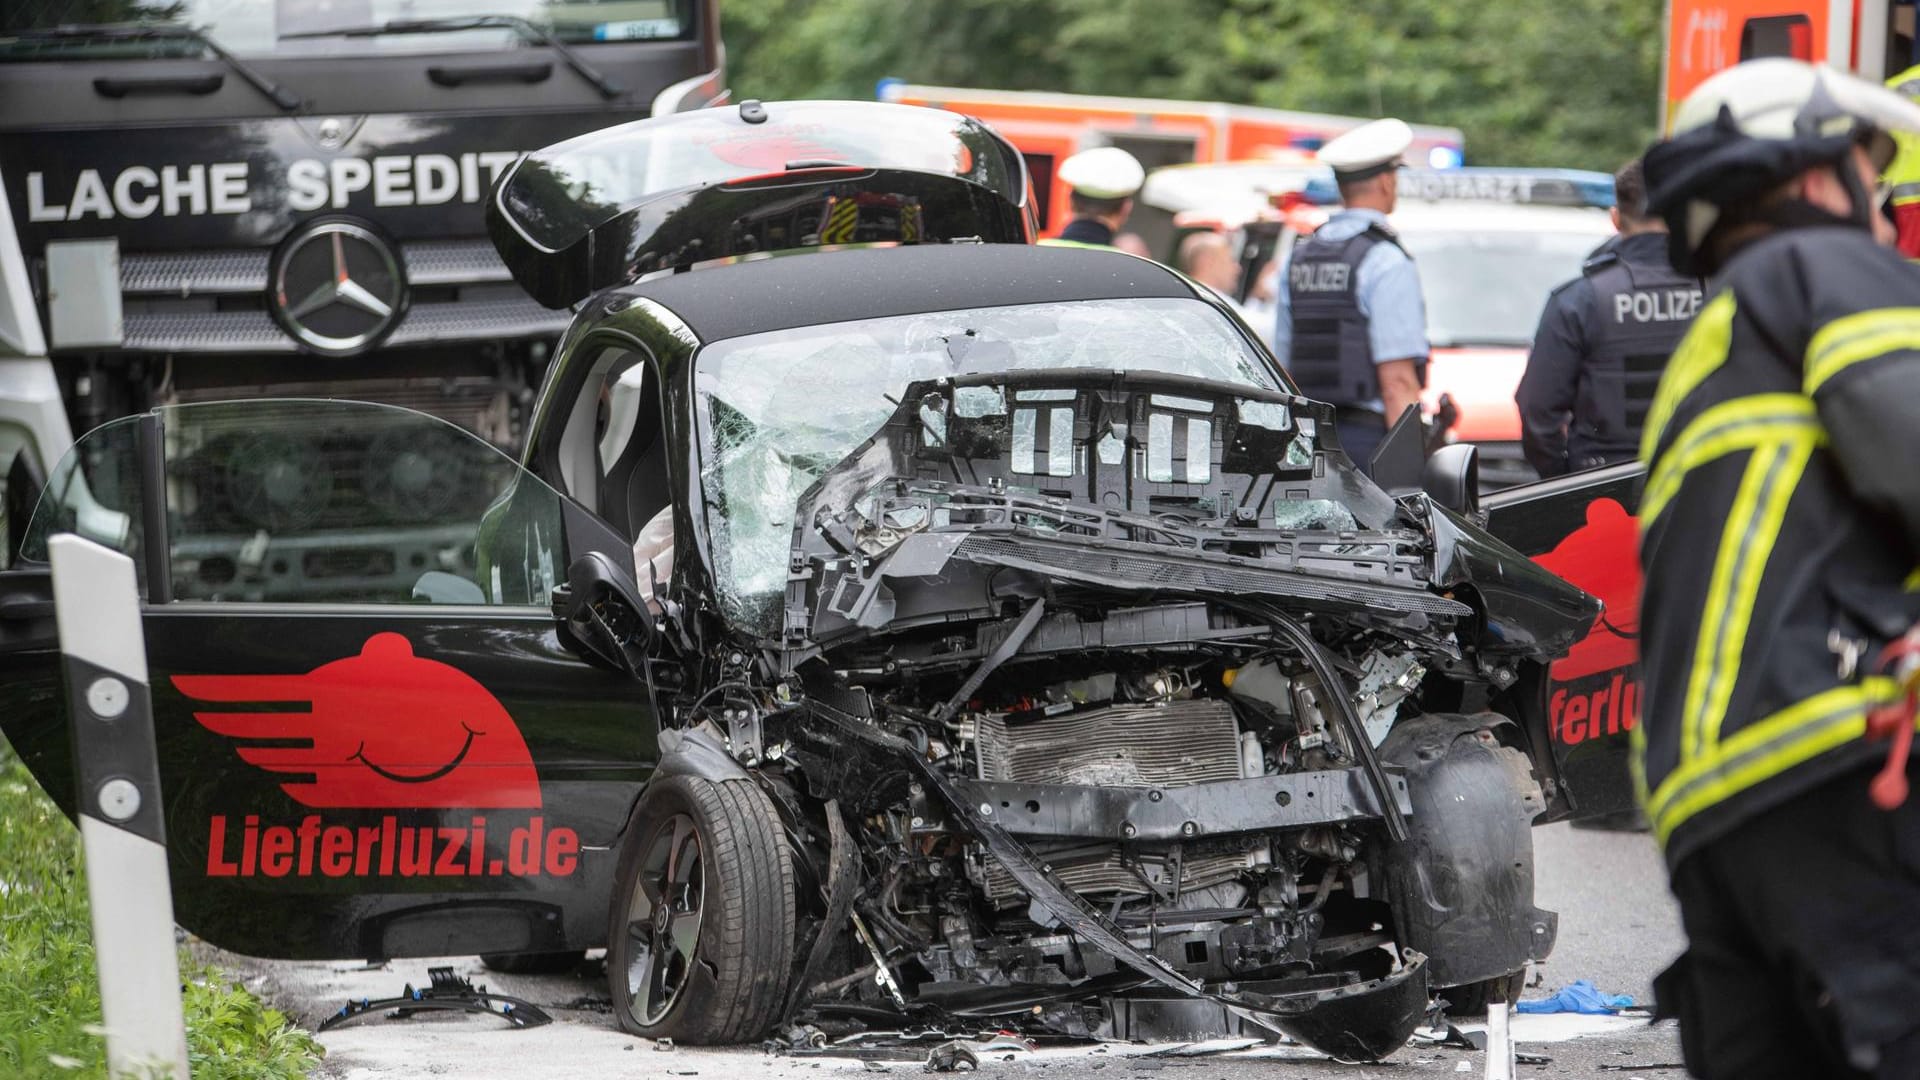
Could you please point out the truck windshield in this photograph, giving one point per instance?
(263, 28)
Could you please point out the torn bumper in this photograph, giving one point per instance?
(1363, 1021)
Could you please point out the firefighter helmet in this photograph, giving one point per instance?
(1746, 130)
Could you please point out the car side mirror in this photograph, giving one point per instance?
(1396, 464)
(600, 609)
(1452, 477)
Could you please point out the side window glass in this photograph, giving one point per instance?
(317, 502)
(623, 393)
(632, 459)
(1777, 35)
(611, 457)
(591, 428)
(94, 492)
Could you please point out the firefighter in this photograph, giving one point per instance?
(1779, 530)
(1603, 341)
(1351, 324)
(1104, 181)
(1903, 176)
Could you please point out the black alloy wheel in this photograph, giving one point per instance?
(663, 920)
(700, 931)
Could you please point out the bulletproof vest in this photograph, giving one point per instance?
(1332, 355)
(1640, 312)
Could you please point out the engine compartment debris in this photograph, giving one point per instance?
(448, 992)
(1118, 745)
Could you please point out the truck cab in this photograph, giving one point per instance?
(1874, 39)
(225, 201)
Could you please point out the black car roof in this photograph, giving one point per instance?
(838, 286)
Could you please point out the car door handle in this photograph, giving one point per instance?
(197, 85)
(538, 71)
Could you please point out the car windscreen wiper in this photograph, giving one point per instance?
(526, 28)
(143, 31)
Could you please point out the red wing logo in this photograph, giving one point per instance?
(1603, 558)
(386, 729)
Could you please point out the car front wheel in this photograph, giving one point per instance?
(700, 934)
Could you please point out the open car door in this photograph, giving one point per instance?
(1584, 527)
(375, 738)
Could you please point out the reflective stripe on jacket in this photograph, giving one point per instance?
(1903, 173)
(1781, 508)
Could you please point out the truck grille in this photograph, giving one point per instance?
(216, 301)
(1156, 746)
(474, 402)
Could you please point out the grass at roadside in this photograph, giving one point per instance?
(49, 992)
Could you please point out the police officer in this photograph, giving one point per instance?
(1104, 181)
(1351, 325)
(1603, 341)
(1779, 528)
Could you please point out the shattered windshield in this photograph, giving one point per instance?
(781, 408)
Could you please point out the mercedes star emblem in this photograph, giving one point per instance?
(338, 287)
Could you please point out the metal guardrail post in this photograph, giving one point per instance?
(97, 608)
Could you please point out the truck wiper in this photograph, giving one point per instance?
(142, 31)
(526, 28)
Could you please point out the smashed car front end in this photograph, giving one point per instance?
(1116, 704)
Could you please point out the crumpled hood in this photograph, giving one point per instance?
(1141, 484)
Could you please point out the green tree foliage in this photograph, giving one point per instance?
(50, 992)
(1571, 83)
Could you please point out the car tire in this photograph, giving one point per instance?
(700, 931)
(1471, 999)
(533, 963)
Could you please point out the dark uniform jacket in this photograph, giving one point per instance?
(1087, 231)
(1603, 341)
(1782, 506)
(1331, 354)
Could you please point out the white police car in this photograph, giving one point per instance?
(1490, 245)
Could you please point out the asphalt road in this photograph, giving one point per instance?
(1618, 928)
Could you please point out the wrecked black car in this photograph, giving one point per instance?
(928, 633)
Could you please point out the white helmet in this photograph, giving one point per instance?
(1750, 127)
(1104, 172)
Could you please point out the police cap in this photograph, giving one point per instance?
(1368, 150)
(1104, 172)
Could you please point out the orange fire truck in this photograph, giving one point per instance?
(1048, 127)
(1872, 38)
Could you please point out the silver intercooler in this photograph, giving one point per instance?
(1151, 746)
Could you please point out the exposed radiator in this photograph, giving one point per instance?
(1169, 745)
(1161, 746)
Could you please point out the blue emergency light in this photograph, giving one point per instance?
(1521, 187)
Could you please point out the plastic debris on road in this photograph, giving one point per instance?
(1578, 997)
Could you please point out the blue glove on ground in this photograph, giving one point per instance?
(1580, 997)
